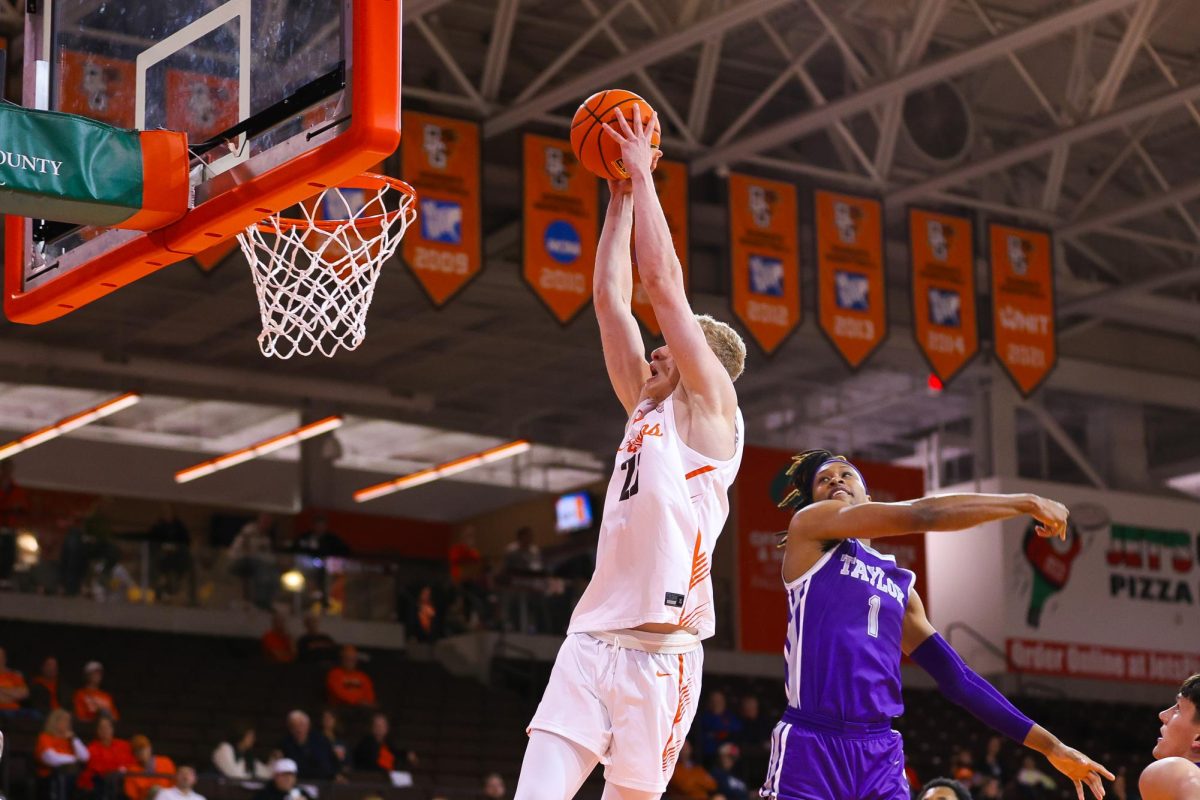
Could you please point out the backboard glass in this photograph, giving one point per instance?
(279, 98)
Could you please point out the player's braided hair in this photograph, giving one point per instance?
(1191, 690)
(800, 478)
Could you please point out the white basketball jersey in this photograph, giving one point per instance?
(665, 507)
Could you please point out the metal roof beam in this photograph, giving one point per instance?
(1134, 210)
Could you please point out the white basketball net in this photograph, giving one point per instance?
(315, 277)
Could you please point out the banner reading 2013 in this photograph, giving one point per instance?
(1023, 303)
(440, 159)
(561, 216)
(671, 183)
(851, 284)
(764, 246)
(942, 256)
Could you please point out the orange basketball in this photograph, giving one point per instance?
(594, 148)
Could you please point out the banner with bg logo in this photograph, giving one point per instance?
(764, 249)
(561, 226)
(851, 284)
(440, 159)
(671, 183)
(942, 263)
(1023, 304)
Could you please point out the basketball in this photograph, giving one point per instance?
(593, 147)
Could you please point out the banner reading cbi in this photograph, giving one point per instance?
(764, 245)
(1023, 304)
(671, 183)
(561, 214)
(440, 159)
(851, 285)
(942, 258)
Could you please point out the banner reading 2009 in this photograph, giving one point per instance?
(764, 245)
(440, 159)
(1023, 303)
(942, 256)
(561, 226)
(851, 285)
(671, 183)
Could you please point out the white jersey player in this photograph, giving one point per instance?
(625, 685)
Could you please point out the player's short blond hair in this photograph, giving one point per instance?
(726, 344)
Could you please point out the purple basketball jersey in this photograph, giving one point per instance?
(842, 654)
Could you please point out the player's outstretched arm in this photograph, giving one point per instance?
(1171, 778)
(833, 519)
(612, 293)
(662, 276)
(961, 685)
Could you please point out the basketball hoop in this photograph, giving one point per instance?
(314, 275)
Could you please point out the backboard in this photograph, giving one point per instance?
(279, 98)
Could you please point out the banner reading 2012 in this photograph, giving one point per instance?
(440, 159)
(851, 284)
(671, 183)
(764, 246)
(942, 262)
(561, 226)
(1023, 303)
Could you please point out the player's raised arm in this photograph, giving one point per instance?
(612, 293)
(700, 371)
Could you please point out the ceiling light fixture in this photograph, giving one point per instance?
(445, 470)
(68, 424)
(260, 449)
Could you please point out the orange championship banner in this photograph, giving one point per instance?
(671, 183)
(440, 158)
(1023, 303)
(942, 262)
(97, 87)
(561, 226)
(851, 279)
(200, 103)
(764, 249)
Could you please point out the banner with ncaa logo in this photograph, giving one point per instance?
(942, 262)
(561, 226)
(671, 183)
(1023, 303)
(851, 284)
(764, 249)
(440, 159)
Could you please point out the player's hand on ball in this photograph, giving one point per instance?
(1079, 768)
(1051, 517)
(637, 153)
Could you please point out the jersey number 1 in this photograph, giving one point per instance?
(630, 468)
(873, 616)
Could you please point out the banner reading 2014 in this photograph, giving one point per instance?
(440, 159)
(670, 181)
(1023, 303)
(764, 245)
(942, 256)
(561, 226)
(851, 285)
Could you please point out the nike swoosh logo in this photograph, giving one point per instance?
(663, 674)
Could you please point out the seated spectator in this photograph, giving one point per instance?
(378, 753)
(726, 773)
(718, 725)
(309, 750)
(319, 541)
(1033, 778)
(992, 789)
(59, 756)
(13, 689)
(494, 788)
(690, 781)
(44, 693)
(314, 645)
(185, 781)
(283, 783)
(962, 767)
(252, 561)
(234, 757)
(991, 766)
(91, 701)
(523, 555)
(425, 628)
(107, 755)
(347, 684)
(754, 728)
(464, 558)
(149, 773)
(329, 729)
(943, 789)
(277, 643)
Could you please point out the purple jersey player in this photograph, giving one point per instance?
(851, 613)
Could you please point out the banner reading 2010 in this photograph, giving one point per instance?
(440, 159)
(1023, 303)
(764, 246)
(561, 226)
(851, 284)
